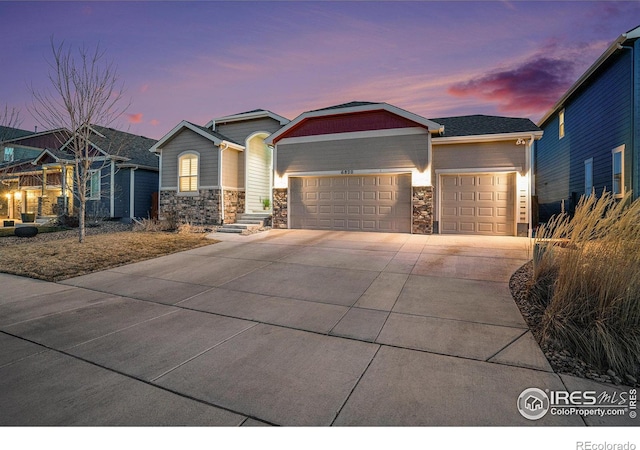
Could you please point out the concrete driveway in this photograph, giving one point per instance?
(287, 327)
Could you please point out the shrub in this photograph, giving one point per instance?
(588, 270)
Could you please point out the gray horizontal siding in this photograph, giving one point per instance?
(406, 151)
(239, 131)
(186, 141)
(483, 154)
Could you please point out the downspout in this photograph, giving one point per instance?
(223, 147)
(634, 182)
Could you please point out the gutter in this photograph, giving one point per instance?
(633, 113)
(615, 46)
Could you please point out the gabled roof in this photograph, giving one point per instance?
(247, 115)
(355, 107)
(43, 139)
(347, 105)
(477, 125)
(8, 133)
(629, 36)
(130, 147)
(206, 133)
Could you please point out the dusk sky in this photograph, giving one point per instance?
(201, 60)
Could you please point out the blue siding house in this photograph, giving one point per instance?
(591, 138)
(124, 175)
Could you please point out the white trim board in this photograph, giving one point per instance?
(389, 132)
(333, 173)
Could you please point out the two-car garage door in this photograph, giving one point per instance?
(352, 202)
(478, 203)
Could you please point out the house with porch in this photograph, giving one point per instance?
(361, 166)
(39, 181)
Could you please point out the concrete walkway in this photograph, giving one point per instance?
(288, 327)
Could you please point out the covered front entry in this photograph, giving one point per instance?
(259, 169)
(480, 203)
(351, 202)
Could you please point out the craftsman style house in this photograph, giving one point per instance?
(37, 175)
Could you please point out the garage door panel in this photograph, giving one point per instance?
(369, 195)
(467, 227)
(468, 212)
(370, 203)
(485, 227)
(477, 203)
(450, 196)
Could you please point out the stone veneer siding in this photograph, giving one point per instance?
(196, 209)
(233, 204)
(422, 201)
(280, 211)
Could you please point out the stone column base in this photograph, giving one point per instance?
(422, 201)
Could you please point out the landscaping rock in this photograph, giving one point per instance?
(631, 378)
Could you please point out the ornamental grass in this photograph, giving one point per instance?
(587, 282)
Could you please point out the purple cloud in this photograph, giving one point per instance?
(532, 87)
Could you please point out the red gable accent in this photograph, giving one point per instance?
(345, 123)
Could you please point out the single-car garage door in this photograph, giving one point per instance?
(352, 202)
(478, 203)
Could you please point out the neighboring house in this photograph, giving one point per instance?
(592, 134)
(42, 181)
(356, 166)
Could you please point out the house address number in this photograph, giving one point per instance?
(346, 172)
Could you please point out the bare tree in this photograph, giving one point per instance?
(9, 118)
(85, 90)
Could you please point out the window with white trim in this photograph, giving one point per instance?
(588, 177)
(188, 173)
(561, 124)
(94, 185)
(617, 155)
(8, 154)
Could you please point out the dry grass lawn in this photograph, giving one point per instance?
(65, 258)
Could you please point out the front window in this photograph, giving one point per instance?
(188, 173)
(561, 124)
(618, 171)
(94, 185)
(588, 177)
(8, 154)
